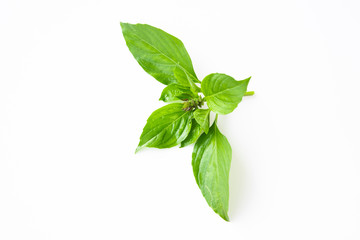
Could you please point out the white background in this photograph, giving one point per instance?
(73, 102)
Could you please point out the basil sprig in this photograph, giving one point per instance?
(184, 120)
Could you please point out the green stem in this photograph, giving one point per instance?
(216, 117)
(250, 93)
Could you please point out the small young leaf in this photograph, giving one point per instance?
(202, 117)
(186, 80)
(211, 161)
(194, 134)
(222, 92)
(166, 127)
(158, 53)
(175, 92)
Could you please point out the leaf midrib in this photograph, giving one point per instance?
(212, 95)
(176, 63)
(217, 163)
(205, 119)
(221, 205)
(144, 145)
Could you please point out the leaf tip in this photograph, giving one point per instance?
(124, 25)
(226, 218)
(183, 144)
(138, 149)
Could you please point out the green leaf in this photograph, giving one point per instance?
(185, 79)
(222, 92)
(159, 53)
(211, 161)
(175, 92)
(166, 127)
(194, 134)
(202, 117)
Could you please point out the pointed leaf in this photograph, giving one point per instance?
(222, 92)
(202, 117)
(158, 53)
(211, 161)
(166, 127)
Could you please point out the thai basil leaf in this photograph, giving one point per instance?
(159, 53)
(222, 92)
(185, 79)
(202, 117)
(194, 134)
(166, 127)
(175, 92)
(211, 161)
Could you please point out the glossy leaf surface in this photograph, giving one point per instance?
(222, 92)
(160, 54)
(194, 134)
(176, 92)
(202, 117)
(211, 161)
(166, 127)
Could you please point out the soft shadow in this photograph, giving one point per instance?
(237, 184)
(237, 180)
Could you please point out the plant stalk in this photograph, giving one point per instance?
(250, 93)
